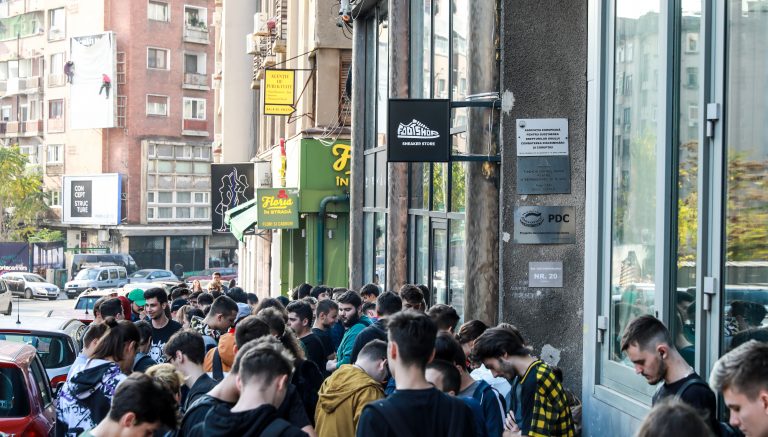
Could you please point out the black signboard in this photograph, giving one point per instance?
(231, 185)
(419, 130)
(81, 194)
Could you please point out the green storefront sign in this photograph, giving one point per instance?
(277, 208)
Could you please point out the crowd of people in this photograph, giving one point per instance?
(338, 362)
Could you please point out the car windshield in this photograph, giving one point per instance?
(86, 302)
(54, 351)
(33, 278)
(13, 393)
(141, 274)
(89, 274)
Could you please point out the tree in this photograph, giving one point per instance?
(22, 201)
(46, 235)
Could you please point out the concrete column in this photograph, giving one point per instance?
(482, 200)
(397, 179)
(357, 181)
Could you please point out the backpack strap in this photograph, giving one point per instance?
(687, 385)
(391, 417)
(218, 367)
(276, 428)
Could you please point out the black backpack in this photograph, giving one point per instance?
(726, 430)
(308, 379)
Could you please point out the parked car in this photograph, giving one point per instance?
(5, 298)
(26, 398)
(227, 273)
(118, 259)
(30, 285)
(152, 275)
(167, 285)
(83, 309)
(56, 340)
(96, 277)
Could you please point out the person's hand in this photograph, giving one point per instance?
(510, 423)
(330, 366)
(508, 433)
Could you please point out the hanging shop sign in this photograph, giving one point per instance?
(278, 208)
(544, 175)
(231, 185)
(545, 225)
(92, 199)
(419, 130)
(548, 274)
(542, 136)
(279, 92)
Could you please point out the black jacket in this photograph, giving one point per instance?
(252, 423)
(376, 331)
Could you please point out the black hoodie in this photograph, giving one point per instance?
(251, 423)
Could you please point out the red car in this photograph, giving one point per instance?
(26, 401)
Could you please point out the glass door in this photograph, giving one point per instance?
(438, 263)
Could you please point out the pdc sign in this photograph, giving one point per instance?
(544, 225)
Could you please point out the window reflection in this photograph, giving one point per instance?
(382, 83)
(457, 245)
(380, 248)
(439, 246)
(440, 63)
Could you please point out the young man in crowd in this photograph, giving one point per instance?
(301, 291)
(539, 405)
(370, 292)
(219, 319)
(263, 379)
(176, 305)
(204, 301)
(413, 298)
(354, 323)
(445, 317)
(321, 292)
(136, 297)
(112, 308)
(741, 376)
(416, 407)
(156, 301)
(238, 295)
(446, 378)
(186, 351)
(300, 320)
(345, 393)
(140, 406)
(387, 304)
(649, 345)
(325, 317)
(369, 310)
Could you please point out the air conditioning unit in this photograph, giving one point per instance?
(263, 174)
(250, 44)
(103, 235)
(260, 23)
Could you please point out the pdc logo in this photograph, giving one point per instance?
(536, 218)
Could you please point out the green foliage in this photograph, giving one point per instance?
(22, 200)
(46, 235)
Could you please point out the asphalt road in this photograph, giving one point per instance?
(40, 307)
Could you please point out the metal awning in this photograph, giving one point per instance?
(241, 218)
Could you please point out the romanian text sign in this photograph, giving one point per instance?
(278, 208)
(545, 274)
(419, 130)
(542, 137)
(543, 174)
(279, 89)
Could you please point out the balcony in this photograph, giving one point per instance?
(195, 81)
(35, 5)
(3, 127)
(56, 125)
(32, 128)
(12, 129)
(195, 128)
(55, 80)
(23, 85)
(196, 34)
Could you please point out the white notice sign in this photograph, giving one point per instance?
(542, 137)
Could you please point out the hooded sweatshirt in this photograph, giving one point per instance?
(342, 398)
(85, 398)
(221, 421)
(344, 353)
(226, 349)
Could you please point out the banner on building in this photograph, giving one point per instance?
(279, 92)
(419, 130)
(91, 73)
(278, 208)
(14, 257)
(92, 200)
(231, 186)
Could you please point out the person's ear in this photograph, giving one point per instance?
(392, 350)
(235, 349)
(663, 351)
(763, 396)
(128, 419)
(238, 383)
(282, 381)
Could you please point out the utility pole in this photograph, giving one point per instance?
(399, 24)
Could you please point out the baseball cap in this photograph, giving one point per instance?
(178, 303)
(137, 296)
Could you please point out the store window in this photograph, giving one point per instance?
(148, 252)
(188, 252)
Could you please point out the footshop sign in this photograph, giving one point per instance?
(418, 130)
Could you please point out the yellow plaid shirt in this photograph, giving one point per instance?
(551, 413)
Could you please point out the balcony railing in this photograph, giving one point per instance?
(35, 5)
(197, 35)
(3, 127)
(197, 128)
(56, 125)
(196, 80)
(12, 128)
(22, 85)
(33, 127)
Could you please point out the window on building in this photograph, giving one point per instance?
(57, 63)
(25, 67)
(178, 180)
(194, 63)
(4, 70)
(5, 113)
(157, 105)
(194, 109)
(31, 152)
(34, 106)
(54, 198)
(195, 18)
(54, 154)
(13, 69)
(24, 112)
(56, 108)
(157, 59)
(56, 24)
(157, 11)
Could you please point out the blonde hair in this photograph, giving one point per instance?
(167, 376)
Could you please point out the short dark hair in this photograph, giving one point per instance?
(146, 398)
(111, 308)
(94, 331)
(265, 361)
(156, 293)
(302, 309)
(414, 333)
(744, 370)
(375, 350)
(283, 300)
(451, 375)
(351, 297)
(250, 328)
(189, 342)
(646, 332)
(145, 330)
(194, 312)
(369, 289)
(271, 302)
(252, 299)
(301, 291)
(274, 319)
(470, 331)
(444, 316)
(237, 294)
(448, 348)
(367, 306)
(178, 291)
(325, 306)
(97, 305)
(317, 290)
(496, 342)
(388, 303)
(224, 306)
(411, 293)
(674, 417)
(205, 299)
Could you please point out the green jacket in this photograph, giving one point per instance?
(344, 352)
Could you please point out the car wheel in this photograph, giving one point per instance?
(27, 294)
(9, 310)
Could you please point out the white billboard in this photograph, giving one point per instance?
(92, 81)
(92, 200)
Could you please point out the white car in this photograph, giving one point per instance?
(5, 299)
(30, 285)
